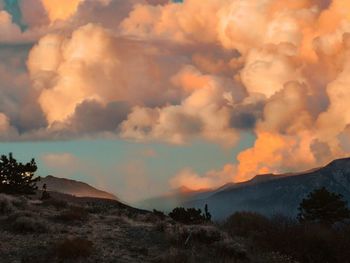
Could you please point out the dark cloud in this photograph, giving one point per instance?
(245, 116)
(91, 116)
(17, 100)
(321, 151)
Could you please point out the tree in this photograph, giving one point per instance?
(324, 207)
(16, 177)
(207, 215)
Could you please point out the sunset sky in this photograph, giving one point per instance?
(139, 97)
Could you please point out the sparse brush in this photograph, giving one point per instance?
(24, 224)
(272, 257)
(230, 250)
(56, 203)
(174, 255)
(6, 204)
(73, 214)
(160, 226)
(204, 234)
(73, 248)
(20, 202)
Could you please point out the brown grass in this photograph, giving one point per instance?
(74, 248)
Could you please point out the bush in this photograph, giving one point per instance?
(56, 203)
(25, 224)
(159, 214)
(74, 248)
(204, 234)
(229, 249)
(187, 216)
(281, 239)
(246, 224)
(272, 257)
(6, 205)
(73, 214)
(174, 255)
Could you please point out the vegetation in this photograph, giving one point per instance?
(323, 207)
(16, 177)
(73, 214)
(77, 231)
(190, 215)
(74, 248)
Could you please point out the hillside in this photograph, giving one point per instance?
(72, 187)
(79, 229)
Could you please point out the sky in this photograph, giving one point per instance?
(140, 97)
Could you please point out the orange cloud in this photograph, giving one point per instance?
(62, 9)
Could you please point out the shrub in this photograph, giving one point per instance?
(56, 203)
(229, 249)
(291, 240)
(272, 257)
(25, 224)
(6, 205)
(160, 226)
(159, 214)
(73, 248)
(187, 216)
(73, 214)
(174, 255)
(204, 234)
(246, 224)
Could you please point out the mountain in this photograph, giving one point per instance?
(72, 187)
(271, 194)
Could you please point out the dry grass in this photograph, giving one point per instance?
(25, 224)
(73, 248)
(6, 204)
(73, 215)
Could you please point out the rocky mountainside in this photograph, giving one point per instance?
(72, 187)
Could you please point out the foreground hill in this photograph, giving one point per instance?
(71, 229)
(267, 194)
(72, 187)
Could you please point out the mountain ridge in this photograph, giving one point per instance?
(268, 194)
(73, 187)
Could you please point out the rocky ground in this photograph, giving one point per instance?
(68, 229)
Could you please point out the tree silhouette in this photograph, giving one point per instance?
(324, 207)
(16, 177)
(207, 213)
(187, 216)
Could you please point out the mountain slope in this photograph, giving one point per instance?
(72, 187)
(278, 194)
(267, 194)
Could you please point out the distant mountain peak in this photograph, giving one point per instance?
(73, 187)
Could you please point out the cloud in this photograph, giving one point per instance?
(178, 72)
(212, 179)
(203, 113)
(60, 160)
(100, 67)
(62, 10)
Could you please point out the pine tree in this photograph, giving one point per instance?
(16, 177)
(324, 207)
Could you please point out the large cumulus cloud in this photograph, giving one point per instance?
(176, 72)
